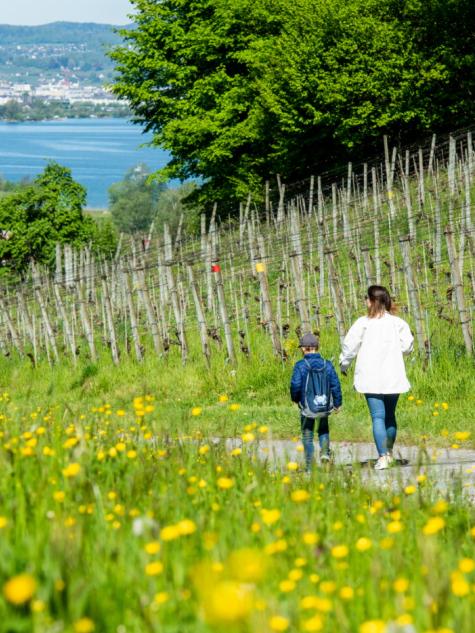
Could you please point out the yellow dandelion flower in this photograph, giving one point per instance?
(462, 436)
(459, 585)
(152, 548)
(3, 522)
(279, 623)
(394, 527)
(72, 470)
(234, 407)
(363, 544)
(186, 527)
(286, 586)
(433, 525)
(373, 626)
(269, 517)
(247, 565)
(248, 437)
(347, 593)
(154, 568)
(84, 625)
(401, 585)
(225, 483)
(310, 538)
(236, 452)
(295, 574)
(19, 589)
(299, 496)
(263, 429)
(169, 533)
(223, 398)
(161, 598)
(339, 551)
(292, 466)
(227, 602)
(466, 565)
(131, 454)
(313, 624)
(410, 490)
(38, 606)
(59, 496)
(203, 449)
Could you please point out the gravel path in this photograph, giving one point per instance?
(445, 467)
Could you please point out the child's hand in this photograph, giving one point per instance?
(343, 371)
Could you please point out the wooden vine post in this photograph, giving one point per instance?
(413, 293)
(269, 320)
(459, 295)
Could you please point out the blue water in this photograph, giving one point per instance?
(99, 151)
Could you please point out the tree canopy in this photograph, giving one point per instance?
(38, 215)
(239, 89)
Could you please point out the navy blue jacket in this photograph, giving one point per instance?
(299, 376)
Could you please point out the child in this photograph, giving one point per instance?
(309, 345)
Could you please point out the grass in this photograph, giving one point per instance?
(108, 524)
(258, 384)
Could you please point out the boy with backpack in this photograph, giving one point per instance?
(315, 387)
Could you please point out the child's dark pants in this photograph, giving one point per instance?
(308, 428)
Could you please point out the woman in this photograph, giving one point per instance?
(379, 341)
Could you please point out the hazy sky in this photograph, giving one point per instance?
(44, 11)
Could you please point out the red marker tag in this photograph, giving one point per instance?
(215, 268)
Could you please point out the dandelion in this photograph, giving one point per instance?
(373, 626)
(433, 525)
(299, 496)
(401, 585)
(459, 585)
(161, 598)
(3, 522)
(286, 586)
(313, 624)
(466, 565)
(269, 517)
(410, 490)
(248, 437)
(169, 533)
(234, 407)
(131, 454)
(152, 548)
(225, 483)
(59, 496)
(279, 623)
(263, 429)
(444, 406)
(186, 527)
(19, 589)
(347, 593)
(292, 466)
(196, 411)
(203, 449)
(363, 544)
(462, 436)
(84, 625)
(440, 507)
(295, 574)
(223, 398)
(339, 551)
(328, 586)
(227, 602)
(38, 606)
(154, 569)
(394, 527)
(310, 538)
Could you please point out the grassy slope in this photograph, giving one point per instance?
(259, 385)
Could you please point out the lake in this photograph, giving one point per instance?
(99, 151)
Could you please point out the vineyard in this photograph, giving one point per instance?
(299, 260)
(122, 506)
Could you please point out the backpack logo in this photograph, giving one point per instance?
(318, 401)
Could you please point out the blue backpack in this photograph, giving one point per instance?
(318, 401)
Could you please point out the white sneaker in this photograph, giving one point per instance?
(383, 462)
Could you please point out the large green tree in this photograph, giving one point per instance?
(39, 215)
(240, 89)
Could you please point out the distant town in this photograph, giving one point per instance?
(57, 70)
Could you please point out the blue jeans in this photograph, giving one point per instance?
(382, 408)
(308, 428)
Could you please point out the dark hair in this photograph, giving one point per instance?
(380, 301)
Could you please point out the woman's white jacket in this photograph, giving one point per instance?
(379, 345)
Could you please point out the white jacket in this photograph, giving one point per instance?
(379, 344)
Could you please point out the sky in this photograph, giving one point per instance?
(28, 12)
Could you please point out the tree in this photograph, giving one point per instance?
(239, 89)
(40, 215)
(133, 201)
